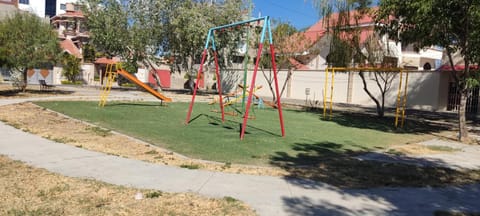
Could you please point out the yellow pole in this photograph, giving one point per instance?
(398, 98)
(325, 94)
(404, 105)
(108, 83)
(331, 92)
(104, 86)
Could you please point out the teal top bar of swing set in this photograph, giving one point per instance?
(266, 20)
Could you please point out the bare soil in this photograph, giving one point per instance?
(31, 191)
(417, 149)
(7, 91)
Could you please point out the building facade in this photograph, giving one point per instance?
(33, 6)
(44, 8)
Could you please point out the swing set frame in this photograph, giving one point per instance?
(210, 44)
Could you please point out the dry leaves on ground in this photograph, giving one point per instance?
(31, 191)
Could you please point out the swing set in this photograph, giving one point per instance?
(248, 91)
(232, 99)
(401, 101)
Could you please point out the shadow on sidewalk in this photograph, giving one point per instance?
(395, 187)
(324, 162)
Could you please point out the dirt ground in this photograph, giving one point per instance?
(30, 191)
(7, 91)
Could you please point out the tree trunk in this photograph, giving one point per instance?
(154, 74)
(24, 84)
(462, 122)
(269, 80)
(289, 76)
(365, 88)
(381, 111)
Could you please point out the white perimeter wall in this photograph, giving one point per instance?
(426, 90)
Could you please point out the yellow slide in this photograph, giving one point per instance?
(143, 85)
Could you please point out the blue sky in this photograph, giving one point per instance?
(300, 13)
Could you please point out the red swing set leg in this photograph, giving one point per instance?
(252, 85)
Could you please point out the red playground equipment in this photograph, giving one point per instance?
(210, 43)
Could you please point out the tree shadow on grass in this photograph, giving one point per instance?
(327, 162)
(387, 123)
(366, 118)
(137, 104)
(231, 125)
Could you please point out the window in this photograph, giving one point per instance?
(237, 59)
(427, 66)
(50, 8)
(63, 6)
(24, 1)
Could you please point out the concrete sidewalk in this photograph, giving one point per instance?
(267, 195)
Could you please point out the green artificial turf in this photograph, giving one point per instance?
(206, 137)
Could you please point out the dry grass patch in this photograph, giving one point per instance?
(418, 149)
(7, 91)
(30, 191)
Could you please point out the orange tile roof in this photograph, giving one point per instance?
(78, 14)
(104, 60)
(319, 29)
(298, 65)
(68, 46)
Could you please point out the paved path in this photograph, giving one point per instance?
(267, 195)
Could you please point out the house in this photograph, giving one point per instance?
(71, 29)
(317, 37)
(72, 35)
(453, 98)
(430, 86)
(44, 8)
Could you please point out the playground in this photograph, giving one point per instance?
(324, 153)
(326, 150)
(236, 132)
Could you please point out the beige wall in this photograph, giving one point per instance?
(88, 73)
(426, 90)
(57, 75)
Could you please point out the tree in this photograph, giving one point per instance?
(107, 23)
(27, 41)
(377, 54)
(140, 30)
(88, 53)
(190, 26)
(452, 24)
(129, 29)
(346, 48)
(71, 67)
(288, 42)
